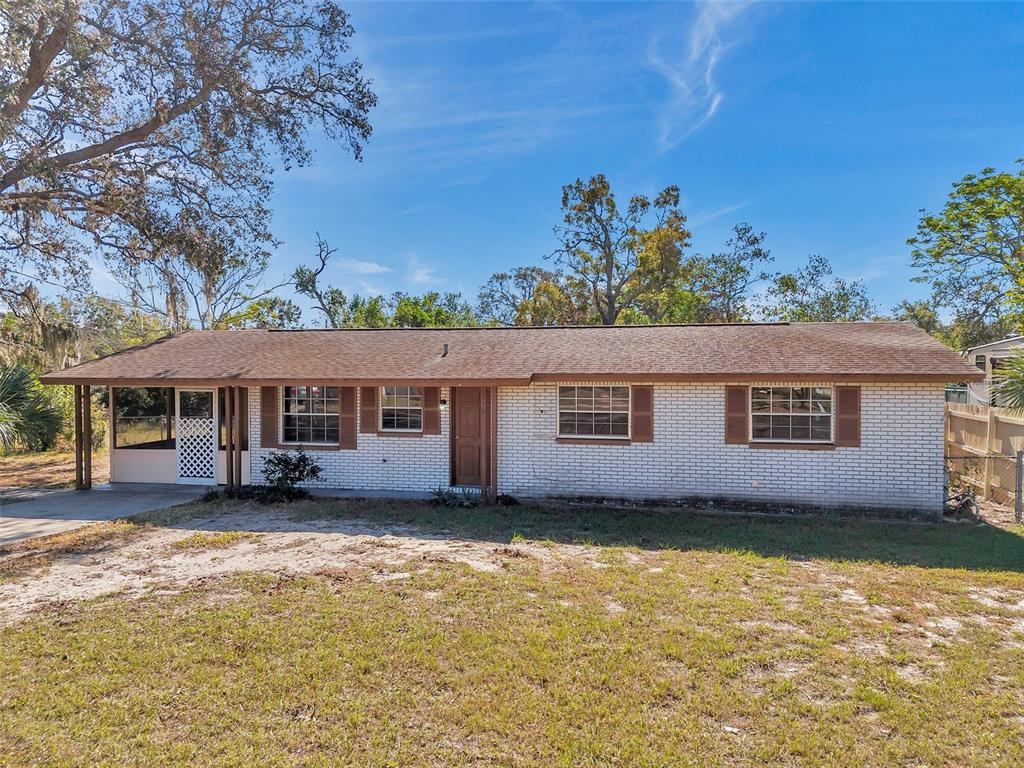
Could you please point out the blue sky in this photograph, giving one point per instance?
(825, 125)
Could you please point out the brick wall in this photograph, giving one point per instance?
(899, 464)
(379, 463)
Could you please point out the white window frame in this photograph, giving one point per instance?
(798, 440)
(629, 414)
(281, 414)
(380, 410)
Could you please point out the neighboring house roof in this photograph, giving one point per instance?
(1012, 341)
(738, 352)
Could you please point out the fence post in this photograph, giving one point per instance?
(1018, 501)
(990, 446)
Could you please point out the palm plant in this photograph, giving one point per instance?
(27, 418)
(1010, 389)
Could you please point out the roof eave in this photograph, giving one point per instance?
(865, 377)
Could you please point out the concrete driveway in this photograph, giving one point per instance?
(26, 513)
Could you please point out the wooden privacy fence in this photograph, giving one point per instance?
(981, 449)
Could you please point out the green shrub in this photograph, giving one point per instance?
(284, 471)
(28, 419)
(445, 497)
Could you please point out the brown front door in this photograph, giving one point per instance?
(468, 440)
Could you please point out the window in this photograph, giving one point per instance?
(310, 415)
(979, 362)
(593, 412)
(791, 414)
(997, 376)
(143, 417)
(401, 409)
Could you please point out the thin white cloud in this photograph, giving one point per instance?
(357, 267)
(367, 288)
(420, 273)
(415, 208)
(690, 69)
(704, 217)
(568, 78)
(451, 38)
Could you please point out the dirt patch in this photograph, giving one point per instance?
(53, 469)
(996, 514)
(174, 558)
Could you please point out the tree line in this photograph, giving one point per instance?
(611, 265)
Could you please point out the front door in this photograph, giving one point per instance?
(197, 436)
(467, 451)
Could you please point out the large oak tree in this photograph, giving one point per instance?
(114, 113)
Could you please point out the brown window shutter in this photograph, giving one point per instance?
(243, 416)
(642, 417)
(270, 420)
(848, 417)
(367, 409)
(347, 418)
(737, 419)
(431, 411)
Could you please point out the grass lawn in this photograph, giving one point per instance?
(386, 634)
(49, 469)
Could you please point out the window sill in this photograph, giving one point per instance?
(398, 433)
(160, 445)
(308, 446)
(593, 440)
(795, 446)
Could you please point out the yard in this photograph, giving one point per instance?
(48, 469)
(364, 633)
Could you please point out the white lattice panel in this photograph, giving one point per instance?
(196, 455)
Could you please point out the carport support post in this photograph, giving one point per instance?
(238, 416)
(493, 468)
(229, 437)
(83, 437)
(87, 435)
(79, 475)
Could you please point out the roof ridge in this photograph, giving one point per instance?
(546, 327)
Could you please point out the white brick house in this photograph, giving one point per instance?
(814, 415)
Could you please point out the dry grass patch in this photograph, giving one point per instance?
(29, 555)
(50, 469)
(214, 540)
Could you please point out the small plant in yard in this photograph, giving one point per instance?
(446, 497)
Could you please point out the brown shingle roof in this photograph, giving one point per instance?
(750, 352)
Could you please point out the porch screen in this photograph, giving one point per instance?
(143, 417)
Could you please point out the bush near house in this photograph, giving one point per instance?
(283, 473)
